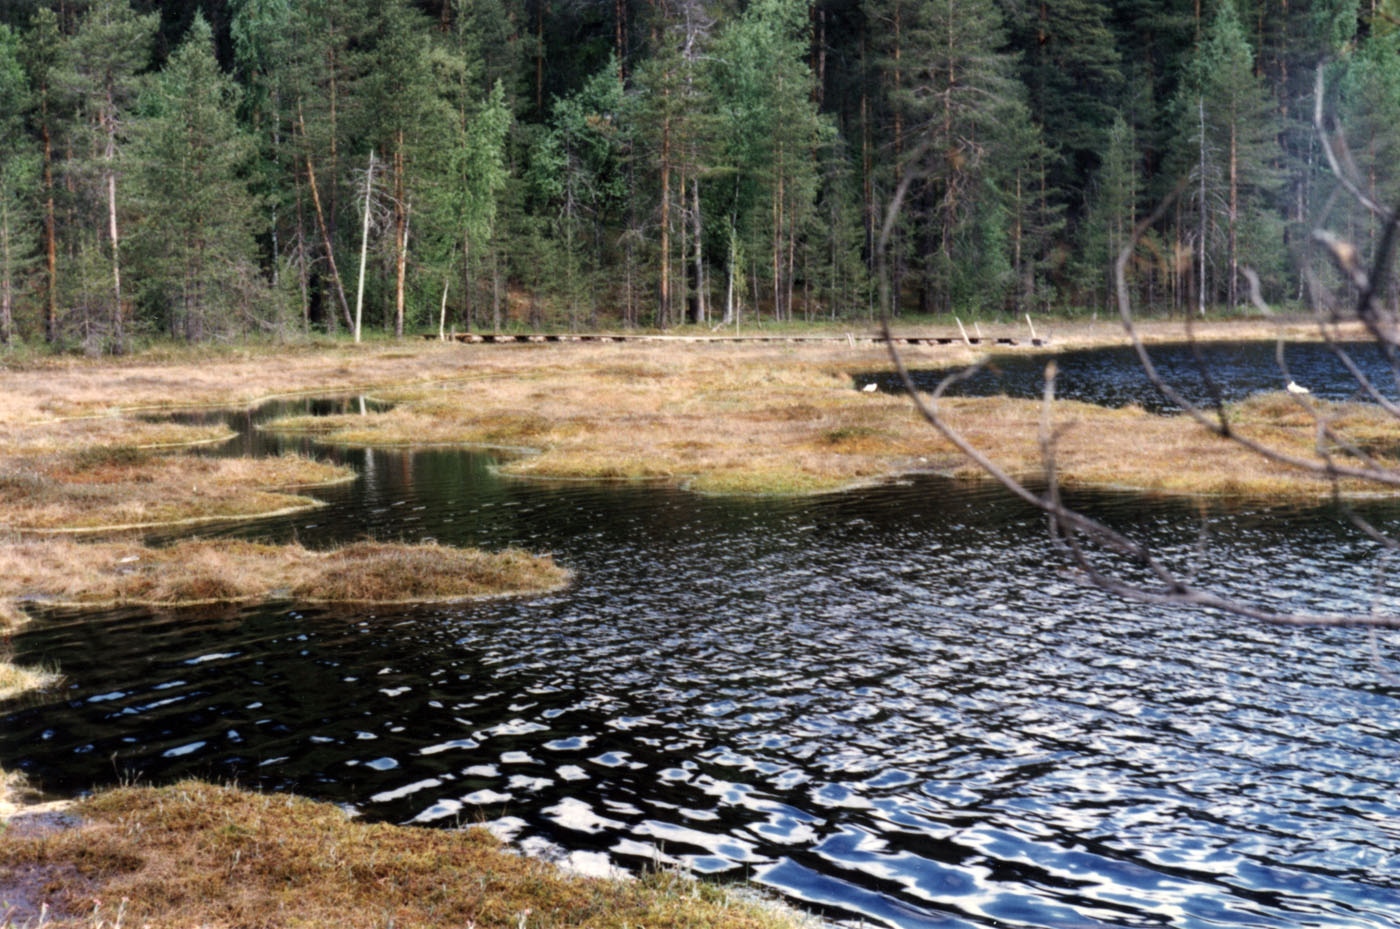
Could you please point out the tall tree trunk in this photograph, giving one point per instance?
(1231, 289)
(729, 275)
(321, 224)
(539, 56)
(400, 237)
(442, 309)
(496, 290)
(778, 240)
(1201, 271)
(364, 251)
(50, 236)
(468, 304)
(702, 310)
(6, 285)
(683, 278)
(897, 266)
(620, 31)
(1017, 233)
(791, 257)
(663, 311)
(866, 163)
(277, 160)
(303, 279)
(898, 110)
(328, 222)
(110, 157)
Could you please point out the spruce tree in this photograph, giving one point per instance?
(19, 164)
(959, 99)
(770, 135)
(194, 243)
(1073, 81)
(260, 34)
(42, 52)
(1112, 211)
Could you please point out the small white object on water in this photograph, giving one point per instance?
(869, 388)
(1295, 388)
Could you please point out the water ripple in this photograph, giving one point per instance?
(885, 705)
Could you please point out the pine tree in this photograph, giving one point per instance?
(324, 69)
(194, 243)
(1230, 120)
(465, 174)
(105, 59)
(578, 173)
(261, 37)
(1368, 101)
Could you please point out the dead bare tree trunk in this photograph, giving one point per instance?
(321, 224)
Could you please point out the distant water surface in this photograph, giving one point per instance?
(1113, 376)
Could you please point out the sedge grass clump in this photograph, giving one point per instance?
(64, 572)
(19, 679)
(107, 489)
(113, 456)
(386, 572)
(193, 854)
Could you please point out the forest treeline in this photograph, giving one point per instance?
(212, 168)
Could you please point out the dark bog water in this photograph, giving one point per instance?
(1112, 377)
(884, 705)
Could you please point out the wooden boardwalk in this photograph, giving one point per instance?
(519, 337)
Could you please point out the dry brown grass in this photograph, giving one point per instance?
(115, 471)
(1130, 449)
(64, 388)
(740, 419)
(62, 572)
(122, 487)
(198, 855)
(106, 432)
(16, 679)
(714, 418)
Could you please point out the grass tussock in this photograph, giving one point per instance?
(108, 432)
(121, 487)
(198, 855)
(62, 572)
(1128, 448)
(119, 472)
(16, 679)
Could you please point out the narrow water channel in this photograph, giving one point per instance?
(886, 705)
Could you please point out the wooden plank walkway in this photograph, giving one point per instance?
(519, 337)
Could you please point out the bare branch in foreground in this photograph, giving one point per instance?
(1083, 540)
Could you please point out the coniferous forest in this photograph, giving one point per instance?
(208, 169)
